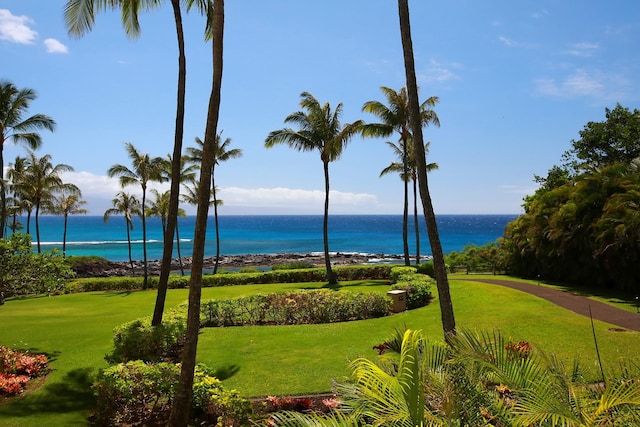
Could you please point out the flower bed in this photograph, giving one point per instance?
(17, 368)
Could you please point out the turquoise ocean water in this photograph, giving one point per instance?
(268, 234)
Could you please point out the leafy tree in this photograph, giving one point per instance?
(444, 295)
(68, 202)
(144, 169)
(18, 263)
(320, 130)
(14, 104)
(221, 153)
(395, 118)
(127, 205)
(180, 409)
(616, 140)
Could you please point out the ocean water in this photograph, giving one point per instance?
(267, 234)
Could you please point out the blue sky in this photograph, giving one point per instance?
(517, 81)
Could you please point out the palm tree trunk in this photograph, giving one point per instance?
(405, 211)
(416, 224)
(165, 266)
(182, 403)
(38, 226)
(444, 296)
(64, 237)
(215, 216)
(133, 273)
(144, 241)
(331, 276)
(179, 252)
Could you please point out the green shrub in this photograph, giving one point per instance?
(293, 265)
(301, 307)
(426, 268)
(417, 286)
(141, 394)
(138, 340)
(249, 270)
(23, 272)
(398, 273)
(225, 278)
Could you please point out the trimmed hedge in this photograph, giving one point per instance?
(293, 308)
(344, 273)
(418, 286)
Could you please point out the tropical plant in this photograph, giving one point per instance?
(395, 118)
(444, 295)
(160, 208)
(127, 205)
(221, 153)
(42, 182)
(14, 104)
(144, 169)
(19, 204)
(319, 130)
(215, 31)
(68, 202)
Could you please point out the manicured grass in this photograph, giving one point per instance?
(75, 331)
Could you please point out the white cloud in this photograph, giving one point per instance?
(55, 46)
(16, 28)
(99, 190)
(436, 72)
(582, 49)
(282, 197)
(508, 42)
(580, 83)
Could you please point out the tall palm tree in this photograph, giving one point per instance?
(80, 17)
(160, 208)
(42, 182)
(127, 205)
(145, 169)
(68, 202)
(180, 409)
(395, 118)
(221, 153)
(19, 204)
(444, 295)
(414, 179)
(320, 130)
(14, 104)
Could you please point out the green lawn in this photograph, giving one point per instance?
(75, 331)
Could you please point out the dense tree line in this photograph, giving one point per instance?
(582, 225)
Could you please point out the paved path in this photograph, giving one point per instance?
(576, 303)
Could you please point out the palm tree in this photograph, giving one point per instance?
(320, 130)
(160, 208)
(145, 169)
(14, 104)
(80, 17)
(187, 174)
(42, 182)
(180, 409)
(220, 154)
(414, 179)
(395, 118)
(16, 175)
(444, 295)
(69, 202)
(127, 205)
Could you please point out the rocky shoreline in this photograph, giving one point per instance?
(262, 261)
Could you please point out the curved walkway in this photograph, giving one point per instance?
(576, 303)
